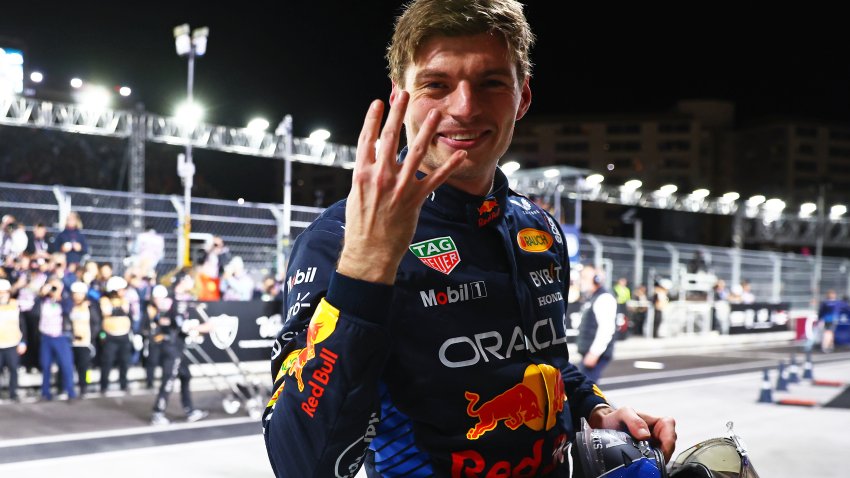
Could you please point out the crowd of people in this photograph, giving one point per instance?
(63, 313)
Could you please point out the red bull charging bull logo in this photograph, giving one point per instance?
(322, 325)
(535, 402)
(488, 211)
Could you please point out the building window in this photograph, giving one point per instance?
(524, 130)
(806, 148)
(623, 146)
(805, 166)
(675, 163)
(572, 147)
(576, 163)
(571, 130)
(839, 152)
(674, 146)
(839, 168)
(839, 135)
(804, 132)
(674, 127)
(802, 184)
(622, 163)
(525, 147)
(623, 128)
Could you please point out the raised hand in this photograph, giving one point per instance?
(386, 197)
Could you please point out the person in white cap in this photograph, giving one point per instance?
(116, 326)
(13, 341)
(85, 324)
(55, 328)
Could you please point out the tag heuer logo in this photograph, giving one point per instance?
(439, 253)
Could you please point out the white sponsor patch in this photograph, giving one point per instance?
(224, 330)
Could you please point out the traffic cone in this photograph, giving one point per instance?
(766, 395)
(782, 378)
(793, 370)
(808, 372)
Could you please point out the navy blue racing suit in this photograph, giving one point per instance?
(459, 369)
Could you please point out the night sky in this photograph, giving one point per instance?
(323, 61)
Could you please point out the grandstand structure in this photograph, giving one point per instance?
(128, 212)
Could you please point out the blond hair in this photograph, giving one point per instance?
(423, 19)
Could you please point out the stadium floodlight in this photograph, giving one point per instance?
(774, 205)
(125, 91)
(94, 98)
(632, 185)
(199, 40)
(700, 193)
(182, 41)
(731, 196)
(755, 200)
(836, 211)
(76, 83)
(36, 77)
(189, 113)
(551, 173)
(510, 167)
(258, 125)
(667, 189)
(319, 136)
(594, 180)
(807, 208)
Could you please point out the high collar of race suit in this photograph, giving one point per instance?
(478, 211)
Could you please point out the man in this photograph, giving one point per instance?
(39, 244)
(13, 339)
(622, 291)
(434, 336)
(172, 322)
(598, 324)
(829, 313)
(72, 242)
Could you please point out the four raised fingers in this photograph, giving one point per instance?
(369, 134)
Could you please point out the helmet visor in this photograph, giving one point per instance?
(725, 457)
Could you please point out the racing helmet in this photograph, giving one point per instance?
(614, 454)
(715, 458)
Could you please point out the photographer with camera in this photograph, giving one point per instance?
(56, 331)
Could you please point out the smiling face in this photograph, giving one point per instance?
(473, 83)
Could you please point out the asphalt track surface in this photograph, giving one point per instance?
(109, 436)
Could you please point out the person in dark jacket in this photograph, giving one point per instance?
(72, 242)
(40, 243)
(598, 324)
(424, 330)
(173, 322)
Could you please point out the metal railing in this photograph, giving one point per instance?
(252, 231)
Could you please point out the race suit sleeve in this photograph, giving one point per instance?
(583, 395)
(326, 362)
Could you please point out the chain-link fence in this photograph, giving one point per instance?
(253, 231)
(250, 230)
(773, 276)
